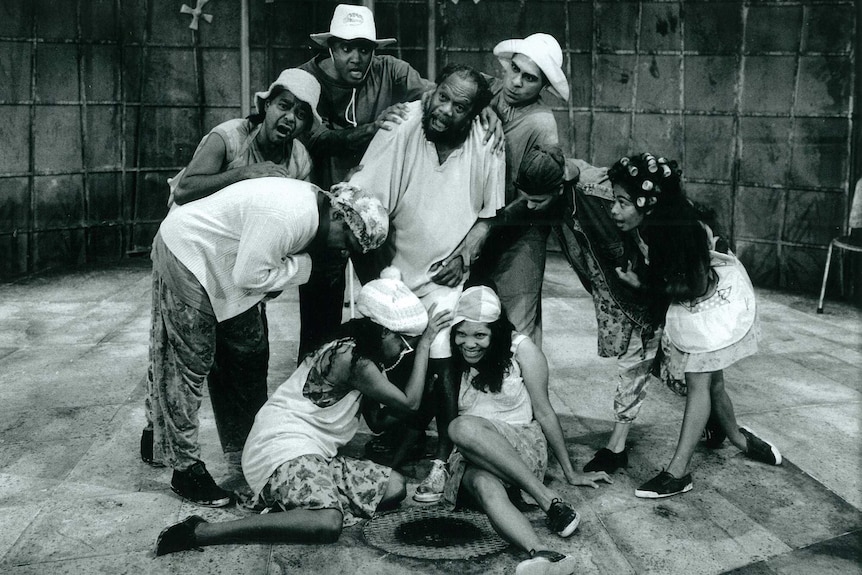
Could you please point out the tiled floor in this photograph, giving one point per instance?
(75, 498)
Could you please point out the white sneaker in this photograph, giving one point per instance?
(431, 488)
(546, 563)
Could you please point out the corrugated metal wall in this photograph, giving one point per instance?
(102, 100)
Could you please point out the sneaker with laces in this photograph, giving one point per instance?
(179, 537)
(759, 449)
(562, 518)
(431, 488)
(713, 434)
(664, 485)
(546, 563)
(608, 461)
(197, 485)
(147, 449)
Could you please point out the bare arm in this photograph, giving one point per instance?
(451, 270)
(374, 384)
(534, 370)
(204, 176)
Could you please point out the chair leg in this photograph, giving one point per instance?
(825, 277)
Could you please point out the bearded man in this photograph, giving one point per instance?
(441, 184)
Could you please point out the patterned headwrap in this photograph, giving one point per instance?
(364, 214)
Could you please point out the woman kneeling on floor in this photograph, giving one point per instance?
(290, 459)
(504, 426)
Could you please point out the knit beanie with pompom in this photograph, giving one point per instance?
(389, 302)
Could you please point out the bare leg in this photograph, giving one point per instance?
(697, 408)
(446, 396)
(396, 491)
(294, 526)
(723, 408)
(484, 447)
(620, 433)
(505, 517)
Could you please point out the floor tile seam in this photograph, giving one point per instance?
(830, 355)
(778, 410)
(840, 535)
(598, 515)
(118, 404)
(69, 559)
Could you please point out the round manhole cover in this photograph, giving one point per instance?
(433, 533)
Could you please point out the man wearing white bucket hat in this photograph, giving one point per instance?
(514, 255)
(264, 144)
(362, 92)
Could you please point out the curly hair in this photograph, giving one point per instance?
(496, 362)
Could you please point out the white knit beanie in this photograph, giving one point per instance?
(389, 302)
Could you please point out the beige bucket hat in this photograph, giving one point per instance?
(351, 22)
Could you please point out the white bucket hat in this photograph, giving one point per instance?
(300, 83)
(351, 22)
(545, 51)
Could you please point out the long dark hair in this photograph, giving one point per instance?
(494, 365)
(678, 251)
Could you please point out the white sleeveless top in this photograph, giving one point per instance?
(241, 150)
(510, 405)
(720, 320)
(291, 424)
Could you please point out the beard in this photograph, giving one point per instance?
(453, 136)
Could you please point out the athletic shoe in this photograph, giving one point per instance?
(664, 485)
(147, 449)
(197, 485)
(608, 461)
(562, 518)
(546, 563)
(713, 434)
(431, 488)
(759, 449)
(179, 537)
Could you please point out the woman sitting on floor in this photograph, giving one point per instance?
(290, 459)
(504, 426)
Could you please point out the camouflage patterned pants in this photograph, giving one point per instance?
(188, 347)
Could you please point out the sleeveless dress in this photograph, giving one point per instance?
(715, 332)
(510, 411)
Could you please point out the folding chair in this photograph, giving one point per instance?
(850, 242)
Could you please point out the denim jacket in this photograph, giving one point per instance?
(590, 232)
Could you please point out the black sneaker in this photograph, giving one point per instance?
(197, 485)
(147, 449)
(713, 434)
(664, 485)
(759, 449)
(608, 461)
(562, 518)
(179, 537)
(546, 563)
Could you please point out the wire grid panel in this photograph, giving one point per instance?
(433, 533)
